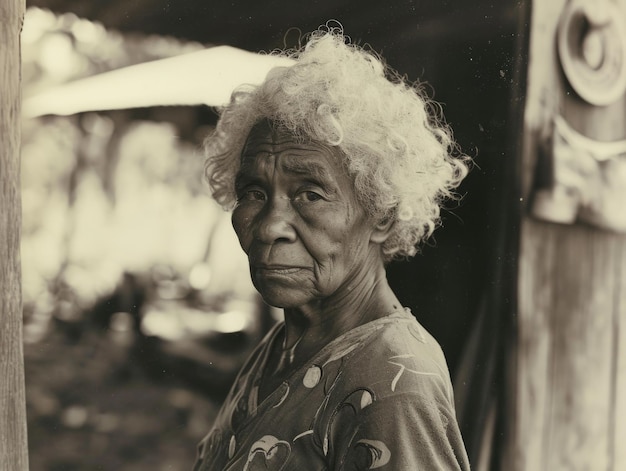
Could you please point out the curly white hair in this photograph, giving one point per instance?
(396, 147)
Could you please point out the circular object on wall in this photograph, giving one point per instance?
(592, 49)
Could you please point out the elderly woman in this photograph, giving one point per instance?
(333, 167)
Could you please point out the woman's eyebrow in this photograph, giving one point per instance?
(307, 168)
(245, 177)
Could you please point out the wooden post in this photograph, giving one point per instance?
(570, 353)
(13, 441)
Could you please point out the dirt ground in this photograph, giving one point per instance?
(93, 406)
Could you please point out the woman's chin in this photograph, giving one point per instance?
(282, 292)
(280, 301)
(282, 298)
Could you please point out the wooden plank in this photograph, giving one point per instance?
(618, 450)
(534, 344)
(531, 390)
(13, 443)
(582, 348)
(567, 314)
(571, 358)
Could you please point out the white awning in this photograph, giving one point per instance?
(203, 77)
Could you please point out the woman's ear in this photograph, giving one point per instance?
(382, 230)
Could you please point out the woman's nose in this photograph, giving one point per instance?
(275, 222)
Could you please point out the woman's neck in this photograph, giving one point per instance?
(308, 329)
(366, 297)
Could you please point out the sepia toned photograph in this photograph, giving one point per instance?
(335, 235)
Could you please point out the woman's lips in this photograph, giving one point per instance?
(278, 269)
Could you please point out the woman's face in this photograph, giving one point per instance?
(298, 220)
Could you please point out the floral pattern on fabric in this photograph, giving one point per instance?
(268, 454)
(369, 454)
(378, 397)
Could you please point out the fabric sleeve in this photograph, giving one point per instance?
(401, 432)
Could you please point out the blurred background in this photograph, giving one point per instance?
(138, 309)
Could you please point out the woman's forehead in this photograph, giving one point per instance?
(267, 133)
(296, 154)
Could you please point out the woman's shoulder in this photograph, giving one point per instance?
(402, 336)
(407, 338)
(398, 357)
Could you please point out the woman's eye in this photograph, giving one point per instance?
(309, 196)
(252, 195)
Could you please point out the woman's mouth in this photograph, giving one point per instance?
(279, 272)
(277, 269)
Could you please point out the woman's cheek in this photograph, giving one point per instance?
(242, 224)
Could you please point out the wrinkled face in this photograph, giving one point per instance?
(298, 220)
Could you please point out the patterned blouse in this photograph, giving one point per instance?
(377, 397)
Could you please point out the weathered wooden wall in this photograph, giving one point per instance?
(570, 354)
(13, 443)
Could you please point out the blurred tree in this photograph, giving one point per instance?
(13, 442)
